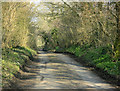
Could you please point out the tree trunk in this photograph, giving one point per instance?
(117, 41)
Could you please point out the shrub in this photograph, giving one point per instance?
(110, 67)
(103, 58)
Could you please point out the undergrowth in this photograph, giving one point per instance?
(12, 60)
(100, 57)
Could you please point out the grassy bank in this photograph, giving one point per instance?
(12, 60)
(98, 57)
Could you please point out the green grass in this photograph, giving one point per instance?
(12, 60)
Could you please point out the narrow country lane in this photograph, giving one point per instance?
(59, 71)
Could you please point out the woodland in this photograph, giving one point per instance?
(89, 30)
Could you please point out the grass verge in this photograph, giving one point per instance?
(100, 60)
(12, 60)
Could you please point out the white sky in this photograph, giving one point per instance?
(37, 1)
